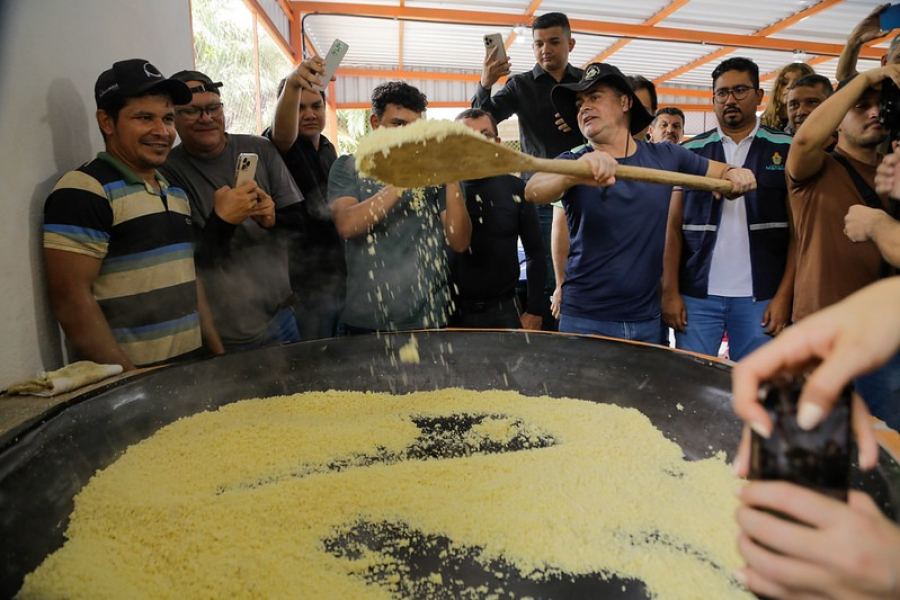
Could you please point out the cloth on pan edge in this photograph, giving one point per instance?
(71, 377)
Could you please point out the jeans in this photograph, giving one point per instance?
(638, 331)
(282, 330)
(881, 392)
(709, 318)
(318, 315)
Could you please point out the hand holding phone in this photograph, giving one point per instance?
(245, 170)
(492, 41)
(818, 459)
(334, 57)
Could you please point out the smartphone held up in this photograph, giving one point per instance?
(245, 170)
(333, 59)
(818, 458)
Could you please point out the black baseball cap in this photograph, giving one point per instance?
(206, 84)
(563, 95)
(136, 77)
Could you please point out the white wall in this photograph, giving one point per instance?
(51, 52)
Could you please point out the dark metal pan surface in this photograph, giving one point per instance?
(43, 467)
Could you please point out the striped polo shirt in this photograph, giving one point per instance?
(146, 286)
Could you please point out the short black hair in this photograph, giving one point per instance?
(639, 82)
(399, 93)
(813, 81)
(477, 113)
(741, 64)
(670, 110)
(283, 82)
(552, 19)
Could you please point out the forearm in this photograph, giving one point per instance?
(87, 328)
(457, 223)
(846, 66)
(559, 245)
(287, 117)
(213, 240)
(353, 218)
(673, 246)
(544, 188)
(208, 331)
(786, 287)
(886, 235)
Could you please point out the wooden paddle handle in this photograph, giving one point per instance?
(582, 169)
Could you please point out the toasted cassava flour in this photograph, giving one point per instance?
(451, 493)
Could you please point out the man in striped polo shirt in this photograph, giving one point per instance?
(118, 241)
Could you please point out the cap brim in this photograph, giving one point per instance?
(177, 90)
(563, 98)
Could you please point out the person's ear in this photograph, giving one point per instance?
(571, 43)
(106, 123)
(374, 121)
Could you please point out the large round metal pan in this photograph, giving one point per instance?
(46, 463)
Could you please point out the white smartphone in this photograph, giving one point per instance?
(245, 171)
(334, 57)
(494, 40)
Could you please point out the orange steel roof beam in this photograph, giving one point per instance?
(762, 33)
(757, 40)
(269, 26)
(667, 10)
(529, 12)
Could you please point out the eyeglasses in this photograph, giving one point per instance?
(739, 92)
(192, 113)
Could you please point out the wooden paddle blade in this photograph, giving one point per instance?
(432, 153)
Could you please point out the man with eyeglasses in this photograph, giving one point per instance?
(241, 260)
(484, 277)
(118, 245)
(729, 264)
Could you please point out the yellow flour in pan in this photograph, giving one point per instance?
(328, 495)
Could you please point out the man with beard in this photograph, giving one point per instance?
(617, 228)
(729, 265)
(823, 188)
(117, 238)
(668, 126)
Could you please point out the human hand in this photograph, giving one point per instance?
(561, 124)
(603, 168)
(494, 68)
(530, 321)
(264, 211)
(850, 338)
(887, 177)
(306, 74)
(846, 551)
(869, 28)
(234, 205)
(860, 222)
(556, 303)
(742, 181)
(674, 312)
(875, 77)
(777, 315)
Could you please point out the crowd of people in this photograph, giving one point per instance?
(154, 254)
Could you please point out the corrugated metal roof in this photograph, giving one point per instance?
(454, 43)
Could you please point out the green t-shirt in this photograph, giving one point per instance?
(397, 271)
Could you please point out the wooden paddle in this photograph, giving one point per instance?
(435, 152)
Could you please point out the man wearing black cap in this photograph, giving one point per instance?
(825, 188)
(617, 228)
(729, 266)
(243, 265)
(117, 239)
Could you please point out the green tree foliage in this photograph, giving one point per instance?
(223, 49)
